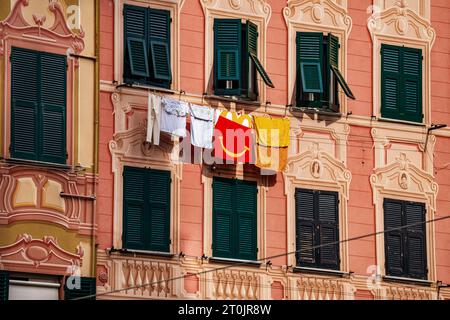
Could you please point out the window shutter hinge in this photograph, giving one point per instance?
(67, 155)
(170, 20)
(10, 148)
(170, 241)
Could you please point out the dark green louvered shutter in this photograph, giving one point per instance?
(401, 83)
(25, 94)
(136, 43)
(333, 61)
(159, 39)
(305, 227)
(158, 184)
(4, 285)
(309, 61)
(227, 56)
(223, 226)
(415, 248)
(134, 207)
(87, 289)
(327, 206)
(246, 220)
(394, 247)
(52, 122)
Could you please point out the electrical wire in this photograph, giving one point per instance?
(240, 263)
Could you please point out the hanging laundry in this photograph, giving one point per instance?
(202, 126)
(233, 138)
(272, 142)
(154, 118)
(173, 117)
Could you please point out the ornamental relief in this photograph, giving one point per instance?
(258, 8)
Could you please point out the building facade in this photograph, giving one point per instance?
(48, 148)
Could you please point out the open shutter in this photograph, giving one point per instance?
(24, 103)
(416, 244)
(4, 285)
(394, 246)
(309, 61)
(223, 229)
(305, 227)
(227, 56)
(158, 184)
(333, 62)
(245, 207)
(53, 108)
(87, 288)
(134, 208)
(135, 41)
(390, 81)
(411, 84)
(327, 204)
(159, 38)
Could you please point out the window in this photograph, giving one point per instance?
(87, 287)
(38, 106)
(234, 219)
(318, 72)
(4, 285)
(401, 83)
(317, 225)
(236, 59)
(146, 209)
(147, 46)
(405, 249)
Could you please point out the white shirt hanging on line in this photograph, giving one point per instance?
(202, 126)
(173, 117)
(154, 118)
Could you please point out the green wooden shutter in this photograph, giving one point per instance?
(245, 205)
(25, 94)
(134, 208)
(53, 108)
(158, 186)
(227, 56)
(136, 43)
(4, 285)
(411, 84)
(309, 61)
(333, 62)
(327, 205)
(305, 227)
(394, 241)
(87, 288)
(390, 81)
(159, 39)
(223, 227)
(416, 244)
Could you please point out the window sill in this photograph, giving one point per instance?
(33, 163)
(327, 272)
(144, 87)
(143, 252)
(412, 281)
(417, 124)
(249, 263)
(319, 111)
(233, 100)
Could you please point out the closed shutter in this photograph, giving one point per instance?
(416, 244)
(159, 39)
(223, 227)
(394, 241)
(53, 108)
(134, 209)
(135, 42)
(25, 93)
(158, 184)
(87, 289)
(245, 206)
(327, 205)
(227, 56)
(4, 285)
(305, 227)
(309, 61)
(401, 83)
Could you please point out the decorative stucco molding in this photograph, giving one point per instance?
(400, 25)
(255, 8)
(317, 16)
(44, 256)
